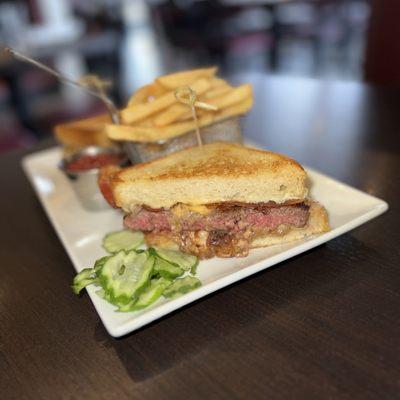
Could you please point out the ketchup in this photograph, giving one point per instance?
(86, 162)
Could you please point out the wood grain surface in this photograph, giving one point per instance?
(322, 325)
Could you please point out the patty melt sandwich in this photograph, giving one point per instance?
(221, 199)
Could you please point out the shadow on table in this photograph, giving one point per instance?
(183, 334)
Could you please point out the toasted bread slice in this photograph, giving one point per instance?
(216, 172)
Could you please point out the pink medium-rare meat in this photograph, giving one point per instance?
(147, 221)
(296, 215)
(234, 219)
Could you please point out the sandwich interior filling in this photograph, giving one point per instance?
(222, 229)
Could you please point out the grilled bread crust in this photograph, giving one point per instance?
(214, 173)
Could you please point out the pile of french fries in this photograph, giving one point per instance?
(153, 112)
(86, 132)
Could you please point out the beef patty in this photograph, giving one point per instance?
(224, 229)
(232, 219)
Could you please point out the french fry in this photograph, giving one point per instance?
(225, 98)
(146, 134)
(131, 133)
(86, 132)
(217, 82)
(187, 117)
(234, 96)
(174, 113)
(147, 122)
(140, 111)
(185, 78)
(215, 92)
(236, 109)
(141, 95)
(179, 112)
(170, 115)
(158, 91)
(91, 123)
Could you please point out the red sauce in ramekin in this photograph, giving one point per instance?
(87, 162)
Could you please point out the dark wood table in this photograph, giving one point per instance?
(323, 325)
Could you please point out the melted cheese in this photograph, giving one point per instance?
(181, 210)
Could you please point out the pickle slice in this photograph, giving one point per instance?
(123, 240)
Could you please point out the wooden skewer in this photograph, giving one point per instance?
(187, 95)
(98, 84)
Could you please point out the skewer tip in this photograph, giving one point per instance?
(8, 50)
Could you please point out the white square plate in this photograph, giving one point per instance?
(81, 233)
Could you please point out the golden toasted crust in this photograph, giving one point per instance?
(213, 173)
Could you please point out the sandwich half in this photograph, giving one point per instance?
(221, 199)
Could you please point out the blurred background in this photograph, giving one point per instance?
(132, 41)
